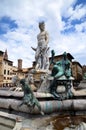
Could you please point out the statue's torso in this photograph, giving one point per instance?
(42, 38)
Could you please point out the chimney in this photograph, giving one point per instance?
(19, 64)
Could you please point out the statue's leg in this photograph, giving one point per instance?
(68, 90)
(70, 94)
(31, 107)
(53, 88)
(38, 105)
(37, 58)
(42, 62)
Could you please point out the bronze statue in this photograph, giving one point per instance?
(62, 73)
(29, 99)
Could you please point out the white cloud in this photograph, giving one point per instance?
(81, 27)
(27, 14)
(79, 12)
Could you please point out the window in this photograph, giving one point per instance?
(4, 77)
(8, 72)
(4, 71)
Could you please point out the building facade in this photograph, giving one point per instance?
(77, 71)
(8, 71)
(1, 69)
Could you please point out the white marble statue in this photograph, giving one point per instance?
(42, 50)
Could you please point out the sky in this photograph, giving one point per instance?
(65, 21)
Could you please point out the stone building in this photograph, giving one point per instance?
(1, 68)
(77, 71)
(7, 70)
(84, 69)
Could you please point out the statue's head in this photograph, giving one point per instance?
(65, 55)
(42, 25)
(53, 52)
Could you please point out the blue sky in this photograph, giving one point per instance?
(65, 22)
